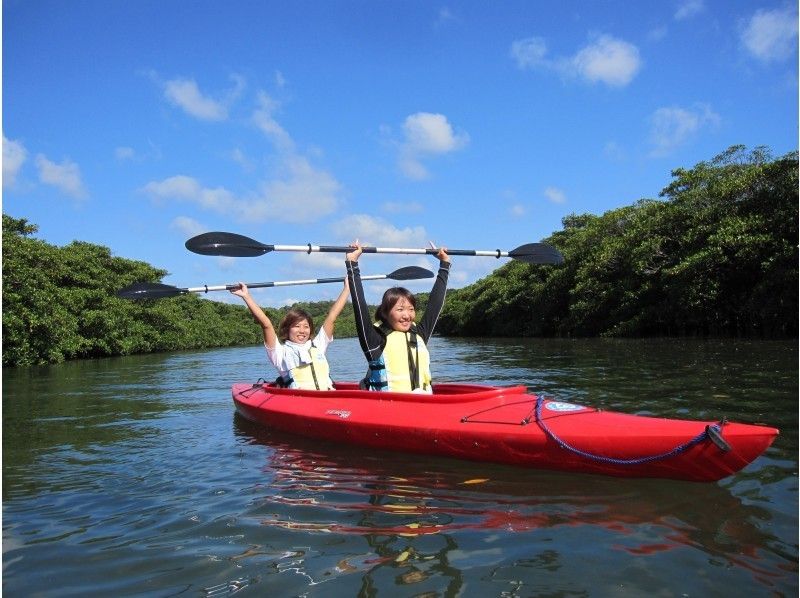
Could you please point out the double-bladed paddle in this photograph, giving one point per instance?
(233, 245)
(156, 290)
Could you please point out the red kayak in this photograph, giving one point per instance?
(508, 425)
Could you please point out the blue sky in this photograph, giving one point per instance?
(475, 125)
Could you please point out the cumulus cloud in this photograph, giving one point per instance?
(673, 126)
(555, 195)
(187, 188)
(606, 59)
(425, 135)
(305, 194)
(65, 177)
(689, 8)
(14, 155)
(370, 230)
(185, 94)
(771, 35)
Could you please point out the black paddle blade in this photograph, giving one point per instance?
(410, 273)
(149, 290)
(537, 253)
(227, 244)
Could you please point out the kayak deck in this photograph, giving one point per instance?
(509, 425)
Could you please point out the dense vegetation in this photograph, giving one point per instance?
(59, 303)
(717, 256)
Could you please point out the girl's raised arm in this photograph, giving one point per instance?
(336, 309)
(270, 338)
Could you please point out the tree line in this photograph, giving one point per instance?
(717, 255)
(60, 303)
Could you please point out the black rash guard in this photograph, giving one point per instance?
(372, 341)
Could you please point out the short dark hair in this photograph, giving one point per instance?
(390, 298)
(293, 316)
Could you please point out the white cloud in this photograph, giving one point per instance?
(606, 60)
(305, 195)
(189, 189)
(188, 226)
(14, 155)
(689, 8)
(673, 126)
(315, 262)
(265, 121)
(426, 134)
(302, 193)
(65, 176)
(432, 134)
(555, 195)
(225, 262)
(771, 35)
(185, 94)
(529, 52)
(370, 230)
(518, 210)
(238, 156)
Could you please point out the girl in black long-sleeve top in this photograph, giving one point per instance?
(395, 346)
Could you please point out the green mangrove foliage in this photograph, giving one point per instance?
(60, 303)
(718, 256)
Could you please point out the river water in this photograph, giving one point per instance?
(134, 477)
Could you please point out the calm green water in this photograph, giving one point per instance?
(134, 477)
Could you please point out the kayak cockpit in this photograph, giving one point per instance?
(442, 393)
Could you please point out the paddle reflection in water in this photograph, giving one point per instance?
(427, 521)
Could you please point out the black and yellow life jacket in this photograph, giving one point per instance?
(404, 365)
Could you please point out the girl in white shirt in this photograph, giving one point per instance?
(294, 350)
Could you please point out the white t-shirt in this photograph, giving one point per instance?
(287, 356)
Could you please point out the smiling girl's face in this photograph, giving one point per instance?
(402, 315)
(300, 331)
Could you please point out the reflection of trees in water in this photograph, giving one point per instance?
(414, 564)
(411, 566)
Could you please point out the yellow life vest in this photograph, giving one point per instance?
(404, 365)
(314, 375)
